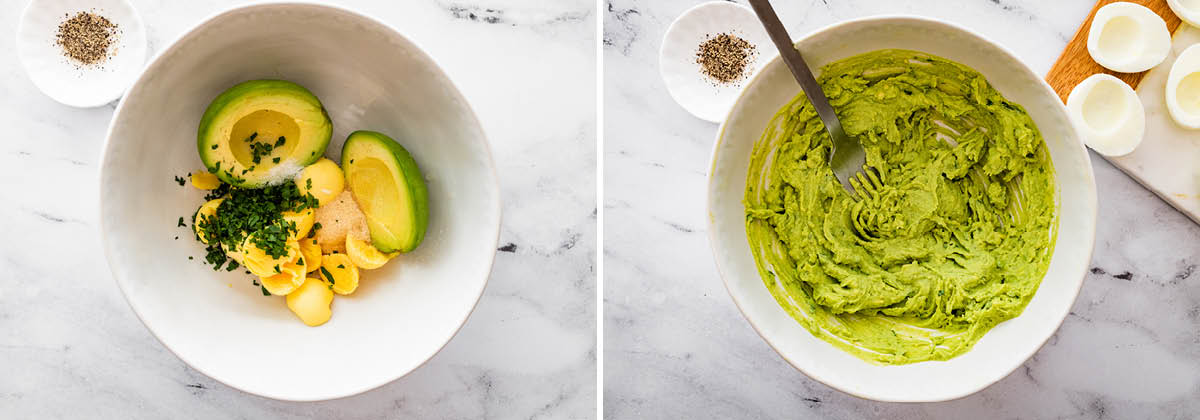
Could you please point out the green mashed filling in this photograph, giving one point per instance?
(954, 235)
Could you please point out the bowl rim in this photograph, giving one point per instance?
(833, 382)
(420, 53)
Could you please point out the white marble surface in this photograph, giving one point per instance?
(70, 347)
(676, 347)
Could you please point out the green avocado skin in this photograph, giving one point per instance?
(418, 200)
(228, 100)
(952, 238)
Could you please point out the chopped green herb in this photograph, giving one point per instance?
(275, 160)
(264, 290)
(214, 147)
(179, 180)
(341, 266)
(180, 223)
(233, 265)
(252, 136)
(277, 268)
(190, 257)
(327, 275)
(351, 160)
(176, 237)
(280, 142)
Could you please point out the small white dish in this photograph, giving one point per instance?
(368, 76)
(1002, 349)
(65, 80)
(697, 93)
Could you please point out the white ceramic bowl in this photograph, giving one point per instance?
(697, 93)
(1006, 346)
(369, 77)
(65, 81)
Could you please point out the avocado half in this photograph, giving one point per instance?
(389, 188)
(261, 132)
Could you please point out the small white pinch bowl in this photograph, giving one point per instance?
(1006, 346)
(67, 81)
(697, 93)
(368, 76)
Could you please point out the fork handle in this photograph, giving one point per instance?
(791, 57)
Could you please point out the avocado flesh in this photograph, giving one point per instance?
(389, 188)
(258, 113)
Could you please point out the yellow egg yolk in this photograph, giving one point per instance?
(206, 211)
(337, 269)
(323, 179)
(310, 302)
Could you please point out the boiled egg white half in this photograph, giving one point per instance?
(1128, 38)
(1187, 10)
(1108, 114)
(1183, 88)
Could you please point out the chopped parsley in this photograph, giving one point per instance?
(180, 223)
(327, 275)
(252, 136)
(264, 290)
(256, 213)
(275, 160)
(280, 142)
(341, 266)
(179, 180)
(214, 147)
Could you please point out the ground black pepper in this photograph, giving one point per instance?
(725, 57)
(86, 37)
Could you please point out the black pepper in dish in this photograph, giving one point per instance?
(725, 58)
(87, 38)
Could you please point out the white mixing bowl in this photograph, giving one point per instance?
(369, 77)
(1006, 346)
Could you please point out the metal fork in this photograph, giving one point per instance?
(846, 157)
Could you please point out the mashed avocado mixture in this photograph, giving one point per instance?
(952, 237)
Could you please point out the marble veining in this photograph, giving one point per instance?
(70, 346)
(677, 347)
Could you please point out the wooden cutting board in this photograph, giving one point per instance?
(1168, 160)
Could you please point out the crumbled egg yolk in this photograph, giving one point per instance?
(204, 180)
(343, 272)
(311, 252)
(310, 302)
(323, 179)
(290, 277)
(207, 210)
(310, 298)
(364, 255)
(303, 220)
(263, 265)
